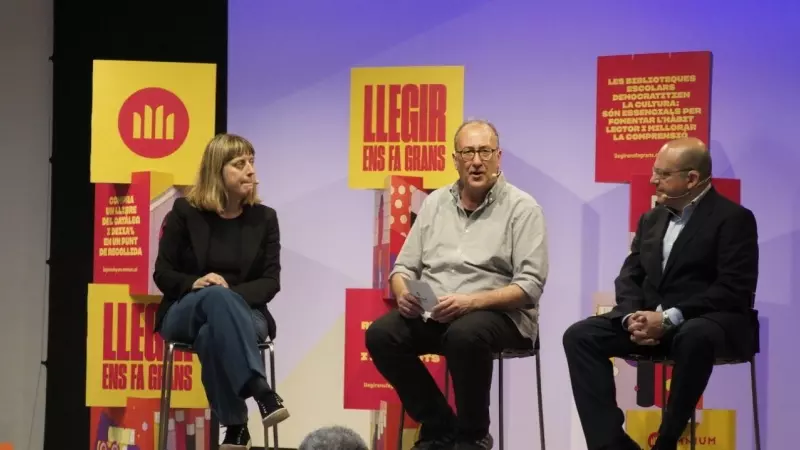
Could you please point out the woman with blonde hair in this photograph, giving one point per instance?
(218, 266)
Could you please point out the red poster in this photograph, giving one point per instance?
(643, 101)
(643, 195)
(121, 235)
(127, 226)
(364, 386)
(658, 386)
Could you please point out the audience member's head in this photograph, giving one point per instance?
(333, 438)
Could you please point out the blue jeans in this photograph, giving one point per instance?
(224, 331)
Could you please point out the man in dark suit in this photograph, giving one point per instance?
(684, 291)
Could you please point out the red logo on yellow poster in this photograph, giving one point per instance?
(153, 122)
(150, 116)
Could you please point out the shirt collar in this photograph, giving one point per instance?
(693, 204)
(494, 193)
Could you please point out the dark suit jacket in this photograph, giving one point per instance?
(183, 248)
(711, 272)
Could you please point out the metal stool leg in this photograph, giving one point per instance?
(541, 403)
(374, 443)
(663, 389)
(756, 426)
(446, 382)
(166, 393)
(401, 428)
(274, 386)
(501, 429)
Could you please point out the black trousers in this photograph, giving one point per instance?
(589, 345)
(468, 344)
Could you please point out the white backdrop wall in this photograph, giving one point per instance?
(26, 39)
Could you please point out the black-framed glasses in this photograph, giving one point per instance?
(468, 154)
(663, 174)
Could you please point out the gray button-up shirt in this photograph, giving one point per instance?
(504, 241)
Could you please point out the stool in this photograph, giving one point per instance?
(500, 357)
(166, 383)
(742, 359)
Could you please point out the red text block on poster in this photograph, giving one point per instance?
(121, 223)
(644, 101)
(364, 386)
(126, 227)
(124, 354)
(402, 121)
(643, 195)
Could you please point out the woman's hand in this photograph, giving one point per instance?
(208, 280)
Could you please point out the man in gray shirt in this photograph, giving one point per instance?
(481, 245)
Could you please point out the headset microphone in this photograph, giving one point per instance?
(675, 197)
(688, 192)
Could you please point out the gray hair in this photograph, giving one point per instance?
(333, 438)
(483, 122)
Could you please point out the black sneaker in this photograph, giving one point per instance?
(485, 443)
(236, 438)
(443, 443)
(272, 410)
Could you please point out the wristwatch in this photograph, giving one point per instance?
(666, 322)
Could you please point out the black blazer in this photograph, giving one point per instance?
(183, 248)
(712, 270)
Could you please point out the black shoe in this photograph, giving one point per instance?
(272, 410)
(442, 443)
(485, 443)
(236, 438)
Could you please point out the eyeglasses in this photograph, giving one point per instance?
(468, 154)
(663, 174)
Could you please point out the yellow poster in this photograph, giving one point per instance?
(715, 430)
(150, 116)
(124, 355)
(402, 122)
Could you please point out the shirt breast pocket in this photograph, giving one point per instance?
(493, 251)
